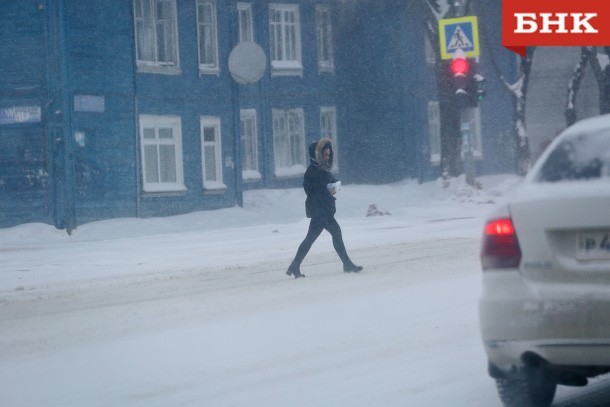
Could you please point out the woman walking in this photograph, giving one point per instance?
(320, 187)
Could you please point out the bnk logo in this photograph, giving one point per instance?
(548, 23)
(554, 23)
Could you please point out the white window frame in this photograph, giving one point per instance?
(328, 129)
(429, 51)
(471, 118)
(246, 23)
(162, 122)
(289, 142)
(285, 39)
(207, 67)
(324, 31)
(434, 132)
(211, 122)
(146, 28)
(249, 146)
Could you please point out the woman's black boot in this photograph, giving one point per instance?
(352, 268)
(295, 271)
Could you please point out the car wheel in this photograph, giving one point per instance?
(534, 388)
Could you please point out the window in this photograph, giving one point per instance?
(325, 39)
(211, 153)
(471, 131)
(579, 156)
(207, 36)
(429, 52)
(249, 151)
(161, 150)
(289, 142)
(328, 129)
(285, 39)
(246, 30)
(434, 132)
(156, 35)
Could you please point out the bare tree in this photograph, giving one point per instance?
(602, 75)
(518, 93)
(574, 84)
(589, 56)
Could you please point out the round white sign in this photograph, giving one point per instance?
(247, 62)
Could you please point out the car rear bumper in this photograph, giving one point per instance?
(563, 325)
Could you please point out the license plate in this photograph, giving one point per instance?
(593, 246)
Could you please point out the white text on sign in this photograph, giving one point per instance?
(528, 23)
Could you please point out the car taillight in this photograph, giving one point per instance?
(500, 248)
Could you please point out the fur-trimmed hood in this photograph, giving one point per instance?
(316, 153)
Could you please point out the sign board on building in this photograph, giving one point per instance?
(459, 34)
(89, 103)
(247, 62)
(20, 114)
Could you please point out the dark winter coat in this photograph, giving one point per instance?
(320, 202)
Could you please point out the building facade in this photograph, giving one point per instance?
(548, 95)
(130, 109)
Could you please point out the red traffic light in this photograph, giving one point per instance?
(459, 66)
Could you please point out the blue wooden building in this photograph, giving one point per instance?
(128, 108)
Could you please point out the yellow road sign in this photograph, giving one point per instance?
(460, 33)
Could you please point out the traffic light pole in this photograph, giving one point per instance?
(459, 41)
(467, 153)
(464, 97)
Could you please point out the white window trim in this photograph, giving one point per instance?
(157, 121)
(335, 140)
(287, 67)
(434, 132)
(247, 7)
(168, 68)
(208, 69)
(296, 168)
(325, 65)
(251, 174)
(429, 52)
(212, 121)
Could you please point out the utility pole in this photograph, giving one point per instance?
(459, 43)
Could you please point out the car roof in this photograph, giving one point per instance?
(591, 124)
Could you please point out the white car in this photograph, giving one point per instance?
(545, 305)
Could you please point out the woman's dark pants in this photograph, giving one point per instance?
(316, 226)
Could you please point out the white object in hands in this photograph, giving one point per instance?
(334, 187)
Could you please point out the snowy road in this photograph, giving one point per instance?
(403, 333)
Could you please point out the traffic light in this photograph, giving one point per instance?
(479, 84)
(467, 82)
(459, 66)
(460, 70)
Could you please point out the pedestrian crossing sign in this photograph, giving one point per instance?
(459, 34)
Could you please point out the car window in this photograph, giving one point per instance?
(581, 157)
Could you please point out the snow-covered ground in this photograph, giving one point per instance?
(196, 310)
